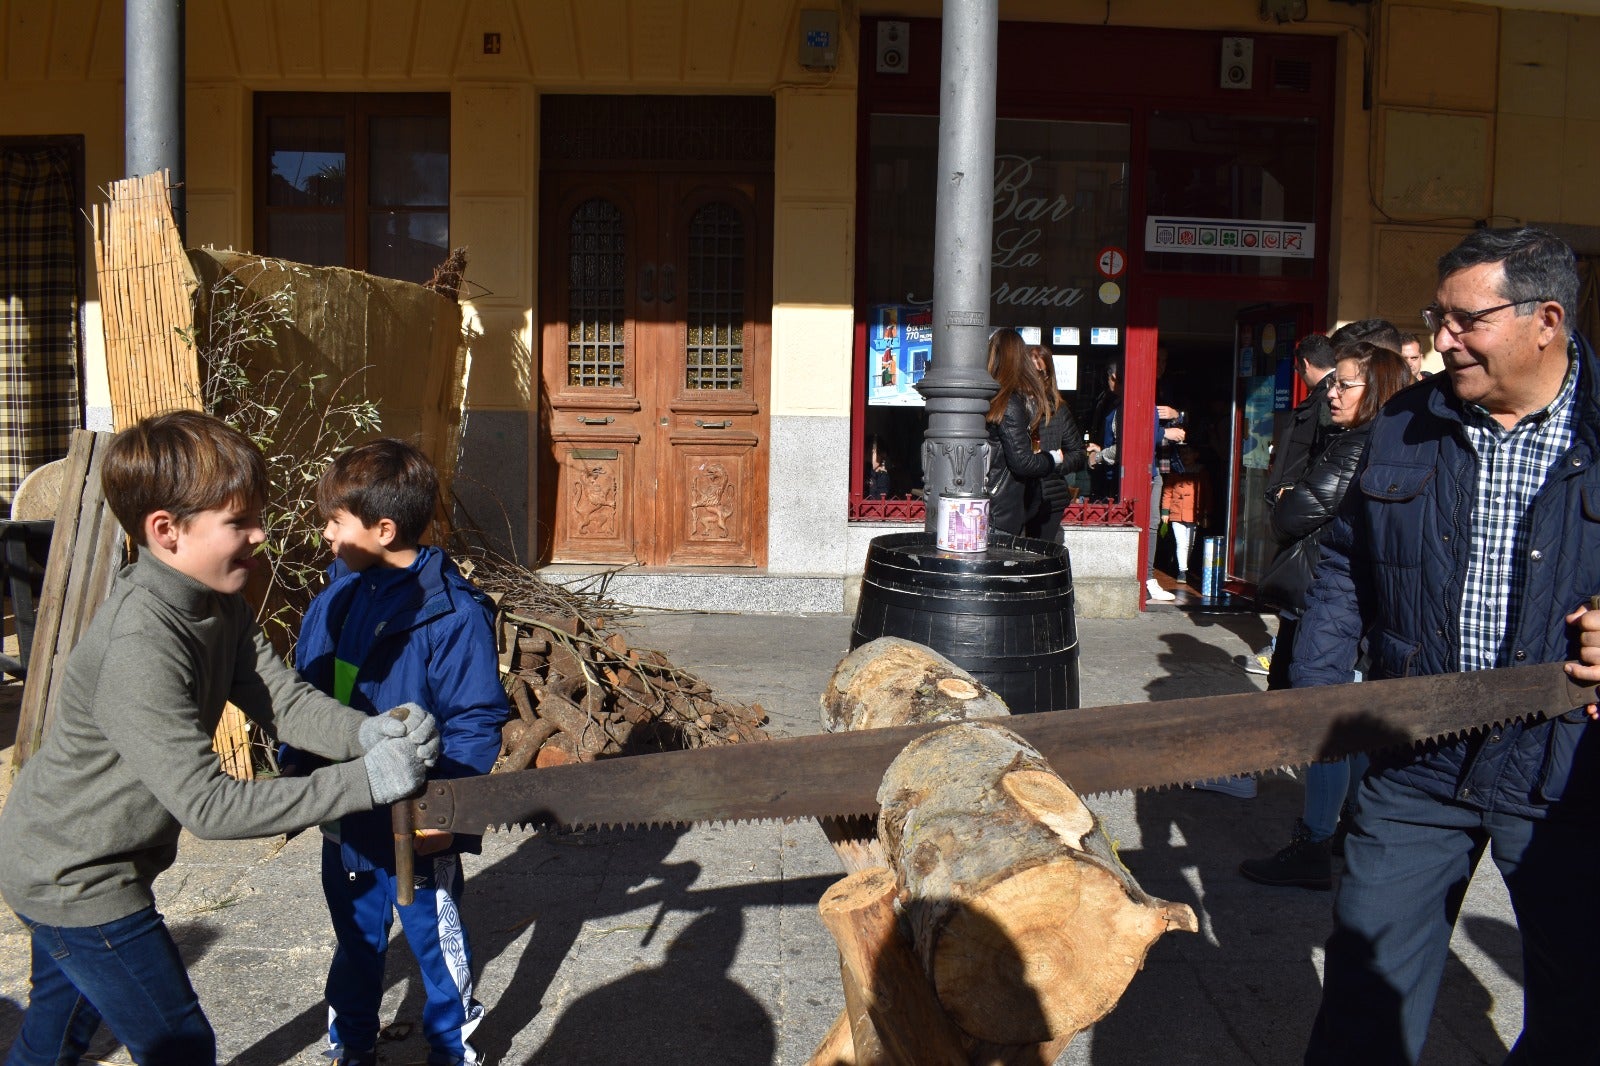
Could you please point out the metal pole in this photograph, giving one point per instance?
(958, 388)
(153, 100)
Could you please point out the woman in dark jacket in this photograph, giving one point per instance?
(1059, 432)
(1364, 379)
(1015, 414)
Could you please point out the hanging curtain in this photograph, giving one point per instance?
(39, 339)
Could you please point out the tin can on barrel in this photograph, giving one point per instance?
(963, 523)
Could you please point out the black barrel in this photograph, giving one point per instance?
(1005, 615)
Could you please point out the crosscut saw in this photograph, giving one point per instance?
(1095, 749)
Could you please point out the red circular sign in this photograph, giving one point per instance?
(1111, 262)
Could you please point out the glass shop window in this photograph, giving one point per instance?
(1058, 260)
(1233, 167)
(358, 180)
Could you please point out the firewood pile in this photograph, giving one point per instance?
(580, 692)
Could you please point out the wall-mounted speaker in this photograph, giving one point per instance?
(1238, 62)
(894, 47)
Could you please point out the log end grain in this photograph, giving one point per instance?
(1045, 953)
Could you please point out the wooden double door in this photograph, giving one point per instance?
(654, 357)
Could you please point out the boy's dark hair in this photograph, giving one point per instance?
(1538, 266)
(1317, 351)
(1377, 331)
(387, 478)
(184, 462)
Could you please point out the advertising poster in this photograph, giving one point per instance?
(1258, 405)
(899, 346)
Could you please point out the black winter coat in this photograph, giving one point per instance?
(1300, 440)
(1301, 512)
(1060, 433)
(1011, 445)
(1393, 568)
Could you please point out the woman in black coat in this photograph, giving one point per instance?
(1059, 432)
(1015, 414)
(1365, 377)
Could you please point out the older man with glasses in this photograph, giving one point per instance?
(1469, 540)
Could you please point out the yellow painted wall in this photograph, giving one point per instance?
(1521, 92)
(1547, 123)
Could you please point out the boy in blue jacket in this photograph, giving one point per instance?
(398, 617)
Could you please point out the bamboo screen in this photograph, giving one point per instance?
(146, 295)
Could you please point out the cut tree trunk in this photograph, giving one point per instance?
(889, 682)
(1020, 912)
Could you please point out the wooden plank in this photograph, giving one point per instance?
(81, 501)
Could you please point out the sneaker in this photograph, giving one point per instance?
(1304, 863)
(1154, 591)
(1254, 664)
(1241, 787)
(355, 1058)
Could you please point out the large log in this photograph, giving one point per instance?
(889, 682)
(1019, 910)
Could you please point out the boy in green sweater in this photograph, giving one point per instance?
(95, 814)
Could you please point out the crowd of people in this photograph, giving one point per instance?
(1425, 525)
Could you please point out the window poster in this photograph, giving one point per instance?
(1260, 392)
(899, 346)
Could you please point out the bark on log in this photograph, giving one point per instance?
(890, 681)
(905, 1016)
(1021, 914)
(587, 733)
(559, 750)
(522, 742)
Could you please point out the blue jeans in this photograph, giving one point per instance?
(126, 973)
(1408, 859)
(1330, 786)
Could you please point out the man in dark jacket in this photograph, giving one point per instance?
(1470, 539)
(1298, 441)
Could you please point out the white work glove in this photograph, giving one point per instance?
(408, 720)
(395, 770)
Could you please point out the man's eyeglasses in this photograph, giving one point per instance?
(1346, 386)
(1459, 322)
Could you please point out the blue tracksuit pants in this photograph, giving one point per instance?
(362, 906)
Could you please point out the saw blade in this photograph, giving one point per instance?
(1097, 749)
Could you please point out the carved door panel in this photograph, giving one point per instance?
(654, 362)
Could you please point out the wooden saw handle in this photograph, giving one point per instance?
(401, 825)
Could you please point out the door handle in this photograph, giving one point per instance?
(669, 283)
(647, 283)
(702, 424)
(585, 420)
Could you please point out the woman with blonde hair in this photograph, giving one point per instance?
(1021, 405)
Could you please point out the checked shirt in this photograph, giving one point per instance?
(1512, 467)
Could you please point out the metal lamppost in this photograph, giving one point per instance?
(958, 388)
(153, 100)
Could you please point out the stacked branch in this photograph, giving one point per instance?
(581, 693)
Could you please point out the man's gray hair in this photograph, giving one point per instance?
(1538, 265)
